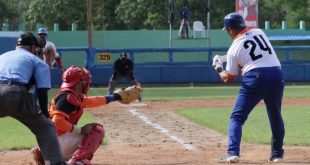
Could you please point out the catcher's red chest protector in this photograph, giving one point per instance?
(73, 99)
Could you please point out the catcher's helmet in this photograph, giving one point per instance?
(27, 39)
(234, 21)
(42, 31)
(75, 74)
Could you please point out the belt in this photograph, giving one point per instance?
(266, 68)
(9, 82)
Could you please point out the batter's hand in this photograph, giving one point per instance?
(217, 63)
(215, 60)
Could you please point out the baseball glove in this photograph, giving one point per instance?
(129, 94)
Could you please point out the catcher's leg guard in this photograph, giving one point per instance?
(89, 145)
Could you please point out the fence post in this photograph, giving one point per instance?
(170, 56)
(302, 25)
(56, 27)
(210, 58)
(73, 26)
(90, 57)
(284, 25)
(5, 26)
(267, 25)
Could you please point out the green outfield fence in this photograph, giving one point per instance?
(175, 65)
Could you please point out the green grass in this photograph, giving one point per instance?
(177, 93)
(207, 92)
(256, 129)
(14, 135)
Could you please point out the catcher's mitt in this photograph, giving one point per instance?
(129, 94)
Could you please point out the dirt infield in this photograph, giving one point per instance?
(150, 133)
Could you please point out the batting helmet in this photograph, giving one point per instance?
(75, 74)
(42, 31)
(27, 39)
(234, 21)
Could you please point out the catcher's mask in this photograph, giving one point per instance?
(73, 75)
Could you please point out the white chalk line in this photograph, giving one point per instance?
(165, 131)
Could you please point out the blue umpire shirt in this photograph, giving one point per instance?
(19, 65)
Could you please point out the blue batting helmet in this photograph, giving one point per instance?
(234, 21)
(42, 31)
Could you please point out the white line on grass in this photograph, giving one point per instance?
(162, 129)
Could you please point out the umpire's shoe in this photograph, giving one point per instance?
(229, 159)
(37, 156)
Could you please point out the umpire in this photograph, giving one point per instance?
(123, 68)
(19, 70)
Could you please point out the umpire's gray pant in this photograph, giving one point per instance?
(13, 99)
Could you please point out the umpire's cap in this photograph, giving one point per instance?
(123, 55)
(234, 21)
(27, 39)
(42, 31)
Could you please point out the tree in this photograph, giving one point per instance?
(104, 15)
(277, 11)
(9, 14)
(48, 12)
(218, 9)
(142, 14)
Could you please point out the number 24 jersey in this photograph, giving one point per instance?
(250, 49)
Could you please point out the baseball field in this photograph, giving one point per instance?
(179, 125)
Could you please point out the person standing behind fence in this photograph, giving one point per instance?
(19, 70)
(184, 27)
(252, 53)
(49, 53)
(123, 68)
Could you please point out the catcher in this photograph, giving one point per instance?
(78, 144)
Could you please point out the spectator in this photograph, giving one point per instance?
(184, 27)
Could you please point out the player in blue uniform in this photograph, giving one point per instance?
(252, 54)
(19, 70)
